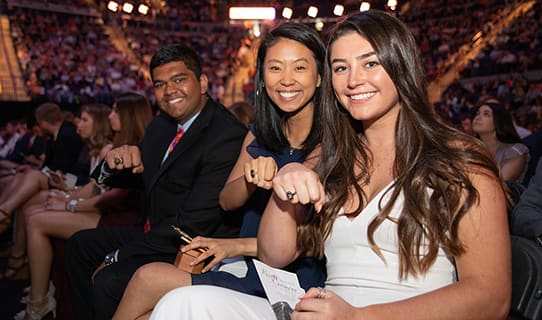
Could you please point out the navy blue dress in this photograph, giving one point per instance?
(311, 272)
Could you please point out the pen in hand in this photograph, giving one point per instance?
(186, 238)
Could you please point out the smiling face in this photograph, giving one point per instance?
(85, 126)
(361, 84)
(178, 91)
(290, 75)
(483, 121)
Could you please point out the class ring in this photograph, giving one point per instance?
(118, 160)
(290, 195)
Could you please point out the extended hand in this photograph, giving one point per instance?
(261, 171)
(297, 184)
(125, 157)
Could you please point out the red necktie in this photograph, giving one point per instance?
(172, 145)
(175, 140)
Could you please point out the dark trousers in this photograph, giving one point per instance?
(86, 251)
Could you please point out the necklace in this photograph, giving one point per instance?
(291, 151)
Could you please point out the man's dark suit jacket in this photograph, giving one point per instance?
(183, 191)
(62, 153)
(526, 218)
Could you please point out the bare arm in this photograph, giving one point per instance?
(513, 168)
(277, 236)
(237, 190)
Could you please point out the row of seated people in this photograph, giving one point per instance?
(521, 97)
(20, 144)
(62, 57)
(42, 201)
(517, 49)
(165, 174)
(68, 59)
(442, 29)
(119, 76)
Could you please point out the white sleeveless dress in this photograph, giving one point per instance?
(355, 272)
(360, 276)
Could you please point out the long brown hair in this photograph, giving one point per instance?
(432, 164)
(101, 131)
(135, 113)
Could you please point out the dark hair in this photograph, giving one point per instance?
(49, 112)
(135, 113)
(177, 52)
(101, 131)
(429, 156)
(270, 120)
(502, 121)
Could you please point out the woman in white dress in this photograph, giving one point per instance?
(410, 213)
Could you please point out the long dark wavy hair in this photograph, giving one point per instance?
(270, 120)
(432, 163)
(502, 121)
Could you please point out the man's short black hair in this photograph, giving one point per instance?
(177, 52)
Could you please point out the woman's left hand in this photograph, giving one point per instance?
(57, 180)
(319, 303)
(55, 204)
(218, 249)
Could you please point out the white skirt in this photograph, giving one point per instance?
(209, 302)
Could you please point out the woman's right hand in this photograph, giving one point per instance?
(261, 171)
(298, 184)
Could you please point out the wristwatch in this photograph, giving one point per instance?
(110, 258)
(72, 205)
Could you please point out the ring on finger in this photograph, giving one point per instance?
(321, 293)
(252, 173)
(290, 195)
(118, 160)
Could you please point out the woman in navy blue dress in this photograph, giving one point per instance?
(287, 129)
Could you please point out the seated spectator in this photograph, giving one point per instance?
(61, 217)
(493, 125)
(94, 128)
(62, 156)
(10, 138)
(466, 123)
(526, 220)
(30, 149)
(534, 143)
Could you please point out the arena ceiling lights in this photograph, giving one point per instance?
(252, 13)
(127, 7)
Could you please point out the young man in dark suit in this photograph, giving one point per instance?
(182, 163)
(526, 220)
